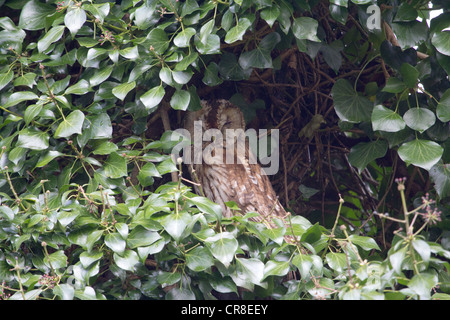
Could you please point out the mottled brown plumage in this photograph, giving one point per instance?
(241, 181)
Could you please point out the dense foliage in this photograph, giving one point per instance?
(89, 91)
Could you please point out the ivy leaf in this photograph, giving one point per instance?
(207, 206)
(127, 261)
(141, 237)
(421, 153)
(72, 124)
(85, 237)
(365, 243)
(33, 14)
(222, 246)
(410, 75)
(443, 108)
(251, 269)
(180, 100)
(337, 261)
(441, 40)
(271, 14)
(101, 75)
(422, 284)
(237, 32)
(18, 97)
(384, 119)
(115, 166)
(422, 248)
(122, 90)
(158, 40)
(305, 28)
(199, 259)
(115, 242)
(53, 35)
(183, 38)
(80, 88)
(153, 97)
(5, 78)
(32, 138)
(350, 106)
(419, 119)
(74, 19)
(206, 30)
(440, 173)
(304, 264)
(47, 157)
(365, 152)
(100, 11)
(276, 268)
(210, 76)
(394, 85)
(175, 224)
(146, 174)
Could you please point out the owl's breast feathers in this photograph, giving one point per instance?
(240, 180)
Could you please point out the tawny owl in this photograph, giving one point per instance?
(240, 180)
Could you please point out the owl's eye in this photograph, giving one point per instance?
(227, 123)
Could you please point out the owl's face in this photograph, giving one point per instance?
(216, 114)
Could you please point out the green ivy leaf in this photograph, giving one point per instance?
(365, 243)
(141, 237)
(153, 97)
(100, 11)
(115, 242)
(127, 261)
(276, 268)
(237, 32)
(410, 75)
(350, 105)
(440, 173)
(199, 259)
(85, 237)
(384, 119)
(305, 28)
(183, 38)
(222, 246)
(443, 108)
(80, 88)
(394, 85)
(422, 284)
(441, 40)
(122, 90)
(72, 124)
(18, 97)
(47, 157)
(304, 264)
(251, 269)
(419, 119)
(337, 261)
(33, 14)
(53, 35)
(270, 14)
(158, 40)
(210, 76)
(101, 75)
(365, 152)
(74, 19)
(175, 224)
(180, 100)
(115, 166)
(207, 206)
(421, 153)
(32, 138)
(6, 78)
(422, 248)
